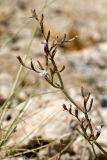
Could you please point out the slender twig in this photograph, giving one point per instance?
(92, 145)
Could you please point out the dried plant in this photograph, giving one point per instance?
(49, 72)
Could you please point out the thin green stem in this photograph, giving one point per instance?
(89, 122)
(99, 146)
(71, 100)
(92, 145)
(58, 74)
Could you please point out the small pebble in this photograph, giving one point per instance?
(103, 102)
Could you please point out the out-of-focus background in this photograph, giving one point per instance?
(86, 65)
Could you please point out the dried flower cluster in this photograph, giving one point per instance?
(48, 72)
